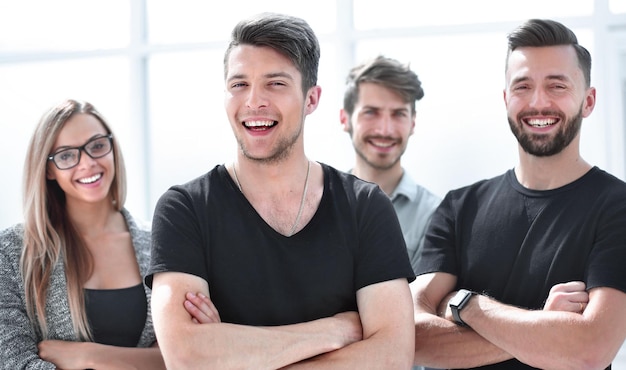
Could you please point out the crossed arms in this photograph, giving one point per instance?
(558, 337)
(379, 336)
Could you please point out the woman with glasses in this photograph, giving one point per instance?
(71, 289)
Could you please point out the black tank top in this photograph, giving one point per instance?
(117, 316)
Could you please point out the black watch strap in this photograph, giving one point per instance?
(457, 303)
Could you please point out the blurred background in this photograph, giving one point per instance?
(154, 68)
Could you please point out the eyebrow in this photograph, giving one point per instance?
(395, 110)
(240, 76)
(63, 147)
(558, 77)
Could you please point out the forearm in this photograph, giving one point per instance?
(122, 358)
(440, 343)
(388, 335)
(543, 339)
(89, 355)
(380, 351)
(223, 345)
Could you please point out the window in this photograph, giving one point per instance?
(154, 69)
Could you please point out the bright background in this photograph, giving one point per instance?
(154, 69)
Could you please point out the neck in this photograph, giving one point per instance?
(270, 177)
(90, 219)
(545, 173)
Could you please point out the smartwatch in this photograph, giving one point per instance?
(458, 302)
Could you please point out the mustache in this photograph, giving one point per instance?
(545, 112)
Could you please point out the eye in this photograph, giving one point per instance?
(369, 112)
(401, 114)
(66, 155)
(520, 87)
(236, 85)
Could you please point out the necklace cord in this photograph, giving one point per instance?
(306, 186)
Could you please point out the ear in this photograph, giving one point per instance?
(50, 174)
(344, 119)
(312, 99)
(412, 124)
(590, 102)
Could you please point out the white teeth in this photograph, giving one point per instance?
(382, 144)
(89, 180)
(541, 122)
(259, 123)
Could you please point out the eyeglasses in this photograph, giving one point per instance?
(97, 147)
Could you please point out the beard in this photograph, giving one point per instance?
(382, 165)
(542, 145)
(281, 151)
(378, 165)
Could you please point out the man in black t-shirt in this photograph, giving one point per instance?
(275, 259)
(526, 270)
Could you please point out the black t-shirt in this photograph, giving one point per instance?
(257, 276)
(514, 244)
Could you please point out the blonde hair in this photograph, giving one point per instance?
(48, 232)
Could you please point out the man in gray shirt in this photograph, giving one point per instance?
(379, 114)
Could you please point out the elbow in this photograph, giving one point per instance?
(590, 358)
(178, 357)
(594, 354)
(594, 359)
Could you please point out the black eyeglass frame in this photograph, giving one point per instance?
(83, 148)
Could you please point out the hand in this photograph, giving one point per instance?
(571, 297)
(201, 309)
(64, 354)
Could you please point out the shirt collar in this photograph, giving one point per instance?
(406, 187)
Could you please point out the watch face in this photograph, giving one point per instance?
(459, 297)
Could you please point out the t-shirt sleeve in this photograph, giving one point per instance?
(606, 260)
(383, 255)
(177, 236)
(438, 251)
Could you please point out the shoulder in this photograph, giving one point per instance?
(11, 245)
(599, 178)
(139, 230)
(415, 192)
(135, 225)
(347, 181)
(197, 187)
(12, 238)
(482, 187)
(357, 195)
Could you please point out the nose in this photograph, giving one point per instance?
(539, 99)
(256, 97)
(85, 159)
(385, 125)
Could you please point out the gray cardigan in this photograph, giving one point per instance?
(18, 339)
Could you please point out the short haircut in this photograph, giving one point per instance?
(386, 72)
(546, 32)
(288, 35)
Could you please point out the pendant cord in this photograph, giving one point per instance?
(306, 186)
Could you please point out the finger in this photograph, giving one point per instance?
(570, 286)
(197, 313)
(204, 304)
(208, 305)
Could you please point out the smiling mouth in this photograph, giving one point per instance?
(383, 144)
(90, 180)
(259, 125)
(539, 123)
